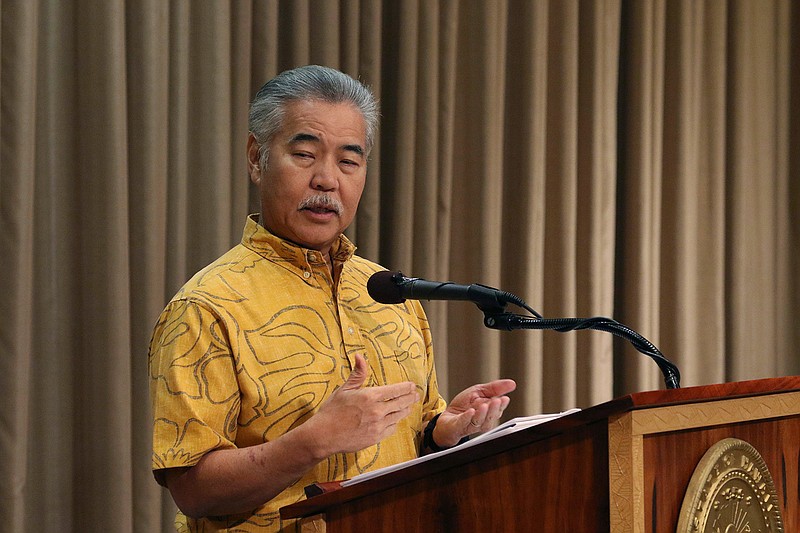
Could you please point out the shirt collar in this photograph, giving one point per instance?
(261, 241)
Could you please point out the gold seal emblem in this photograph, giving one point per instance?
(731, 491)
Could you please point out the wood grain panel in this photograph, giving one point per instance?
(526, 489)
(670, 460)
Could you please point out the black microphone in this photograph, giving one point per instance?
(393, 288)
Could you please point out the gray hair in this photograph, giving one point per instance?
(311, 82)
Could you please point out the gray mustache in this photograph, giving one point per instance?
(322, 201)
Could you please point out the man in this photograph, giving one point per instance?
(272, 368)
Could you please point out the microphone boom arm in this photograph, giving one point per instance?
(510, 321)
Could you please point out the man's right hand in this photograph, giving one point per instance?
(355, 417)
(230, 481)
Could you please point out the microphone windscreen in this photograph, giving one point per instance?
(383, 289)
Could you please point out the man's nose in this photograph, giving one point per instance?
(325, 176)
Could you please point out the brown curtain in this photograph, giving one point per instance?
(634, 159)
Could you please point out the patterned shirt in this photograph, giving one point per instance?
(253, 344)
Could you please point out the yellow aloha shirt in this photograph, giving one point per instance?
(253, 344)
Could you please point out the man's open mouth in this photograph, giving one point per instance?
(320, 210)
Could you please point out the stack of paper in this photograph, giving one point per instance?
(512, 426)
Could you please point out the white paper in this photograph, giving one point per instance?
(511, 426)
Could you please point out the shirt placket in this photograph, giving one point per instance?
(348, 327)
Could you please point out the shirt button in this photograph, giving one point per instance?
(306, 274)
(350, 330)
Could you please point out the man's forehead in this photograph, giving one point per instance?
(317, 122)
(330, 116)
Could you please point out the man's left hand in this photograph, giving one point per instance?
(473, 410)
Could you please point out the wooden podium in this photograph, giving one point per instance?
(621, 466)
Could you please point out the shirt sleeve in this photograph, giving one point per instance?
(193, 386)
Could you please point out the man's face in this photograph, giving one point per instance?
(315, 173)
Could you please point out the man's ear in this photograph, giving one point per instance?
(253, 159)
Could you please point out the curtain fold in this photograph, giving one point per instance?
(693, 271)
(17, 140)
(640, 178)
(147, 71)
(101, 362)
(561, 200)
(627, 158)
(756, 59)
(525, 134)
(473, 248)
(596, 132)
(51, 423)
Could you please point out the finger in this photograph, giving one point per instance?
(393, 403)
(358, 375)
(386, 393)
(505, 400)
(498, 387)
(495, 412)
(496, 403)
(393, 417)
(392, 420)
(488, 414)
(479, 418)
(471, 421)
(401, 405)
